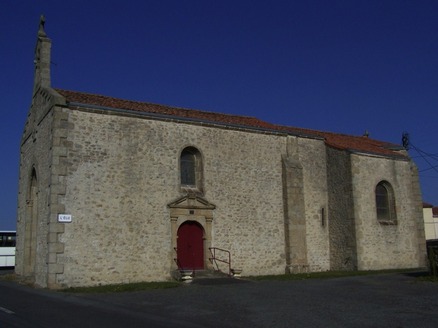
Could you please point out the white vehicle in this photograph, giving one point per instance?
(7, 249)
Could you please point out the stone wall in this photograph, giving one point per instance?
(33, 207)
(383, 246)
(122, 173)
(341, 219)
(277, 203)
(305, 202)
(294, 210)
(313, 156)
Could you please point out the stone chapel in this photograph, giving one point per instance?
(117, 191)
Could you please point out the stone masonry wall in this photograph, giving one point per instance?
(294, 209)
(122, 173)
(34, 154)
(381, 246)
(116, 175)
(243, 178)
(341, 220)
(305, 201)
(313, 158)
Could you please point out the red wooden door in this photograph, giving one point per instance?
(190, 246)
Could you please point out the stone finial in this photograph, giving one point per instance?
(41, 31)
(42, 57)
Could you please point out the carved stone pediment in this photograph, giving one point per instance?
(192, 202)
(191, 208)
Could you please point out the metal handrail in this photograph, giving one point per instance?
(214, 258)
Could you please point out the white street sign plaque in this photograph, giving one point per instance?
(65, 218)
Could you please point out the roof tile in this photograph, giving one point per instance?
(339, 141)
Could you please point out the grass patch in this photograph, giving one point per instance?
(119, 288)
(323, 275)
(429, 278)
(8, 277)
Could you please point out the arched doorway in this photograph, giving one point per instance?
(190, 246)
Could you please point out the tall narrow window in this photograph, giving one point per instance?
(191, 168)
(188, 168)
(385, 204)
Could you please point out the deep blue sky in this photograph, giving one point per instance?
(342, 66)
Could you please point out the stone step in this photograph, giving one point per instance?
(209, 274)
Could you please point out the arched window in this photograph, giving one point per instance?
(191, 168)
(385, 203)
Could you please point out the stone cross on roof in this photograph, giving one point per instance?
(41, 31)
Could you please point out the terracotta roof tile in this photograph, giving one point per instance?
(103, 101)
(339, 141)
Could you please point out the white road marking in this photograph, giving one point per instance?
(6, 310)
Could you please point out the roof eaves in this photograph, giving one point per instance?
(385, 150)
(375, 154)
(304, 135)
(178, 118)
(393, 147)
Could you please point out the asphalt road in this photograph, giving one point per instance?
(389, 300)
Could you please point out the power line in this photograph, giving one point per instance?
(425, 156)
(434, 156)
(421, 152)
(430, 168)
(429, 176)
